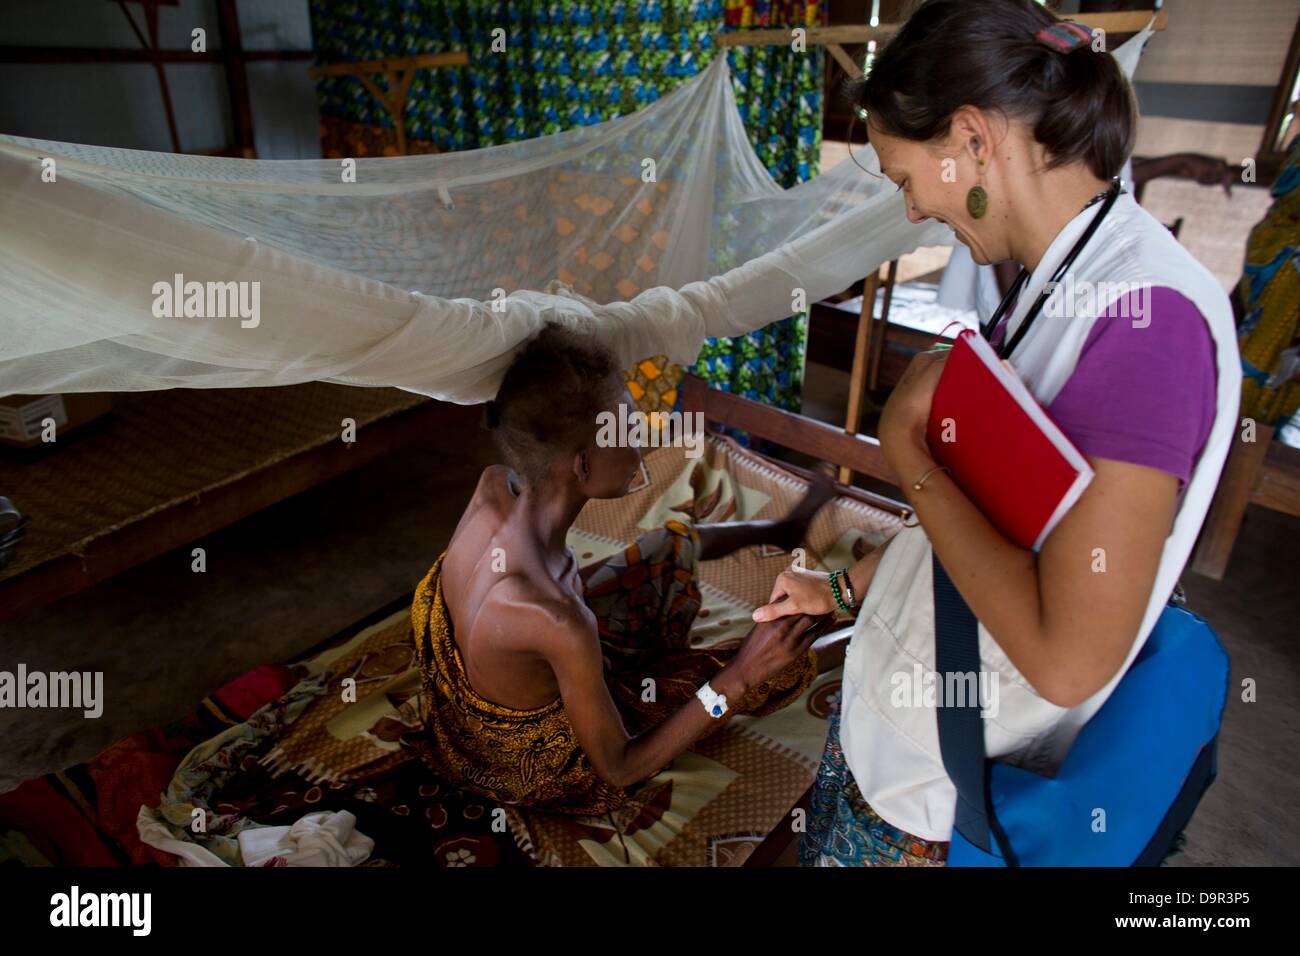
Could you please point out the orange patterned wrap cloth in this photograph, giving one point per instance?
(645, 599)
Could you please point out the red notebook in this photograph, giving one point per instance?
(1002, 449)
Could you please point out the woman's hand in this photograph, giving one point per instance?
(798, 591)
(802, 591)
(906, 414)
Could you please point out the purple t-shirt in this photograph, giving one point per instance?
(1144, 395)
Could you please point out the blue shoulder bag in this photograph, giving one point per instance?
(1130, 782)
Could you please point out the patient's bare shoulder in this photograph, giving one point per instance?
(567, 639)
(492, 496)
(496, 482)
(521, 638)
(544, 617)
(494, 474)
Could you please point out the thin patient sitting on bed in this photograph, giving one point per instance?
(536, 673)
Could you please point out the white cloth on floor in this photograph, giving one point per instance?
(153, 832)
(318, 839)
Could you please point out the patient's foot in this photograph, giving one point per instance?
(791, 530)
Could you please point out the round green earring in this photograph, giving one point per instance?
(977, 202)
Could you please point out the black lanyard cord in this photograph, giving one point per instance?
(1009, 346)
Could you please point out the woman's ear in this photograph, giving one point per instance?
(973, 131)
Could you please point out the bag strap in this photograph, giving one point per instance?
(961, 728)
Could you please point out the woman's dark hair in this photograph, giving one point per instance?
(549, 399)
(952, 53)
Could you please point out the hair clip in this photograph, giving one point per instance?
(1064, 35)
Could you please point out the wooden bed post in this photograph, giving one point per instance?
(1240, 473)
(868, 349)
(857, 378)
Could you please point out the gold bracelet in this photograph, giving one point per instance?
(921, 481)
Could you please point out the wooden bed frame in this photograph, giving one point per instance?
(854, 453)
(860, 454)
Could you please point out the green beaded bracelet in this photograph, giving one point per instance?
(835, 590)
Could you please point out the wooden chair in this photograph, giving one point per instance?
(1263, 472)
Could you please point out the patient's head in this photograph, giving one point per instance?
(544, 418)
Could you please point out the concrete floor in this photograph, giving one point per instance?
(290, 577)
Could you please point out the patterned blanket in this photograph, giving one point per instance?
(334, 739)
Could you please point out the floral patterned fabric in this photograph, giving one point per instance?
(242, 779)
(843, 830)
(537, 68)
(85, 816)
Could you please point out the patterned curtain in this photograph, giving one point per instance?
(569, 64)
(1269, 291)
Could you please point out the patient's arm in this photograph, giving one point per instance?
(567, 639)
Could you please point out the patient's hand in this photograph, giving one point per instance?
(768, 650)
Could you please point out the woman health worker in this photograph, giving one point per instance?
(1012, 127)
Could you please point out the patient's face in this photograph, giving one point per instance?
(613, 467)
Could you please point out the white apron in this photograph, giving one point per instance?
(893, 751)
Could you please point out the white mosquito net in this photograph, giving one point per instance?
(124, 270)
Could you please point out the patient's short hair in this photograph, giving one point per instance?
(548, 401)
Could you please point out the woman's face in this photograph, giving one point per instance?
(935, 178)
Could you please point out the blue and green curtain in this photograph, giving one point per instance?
(583, 63)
